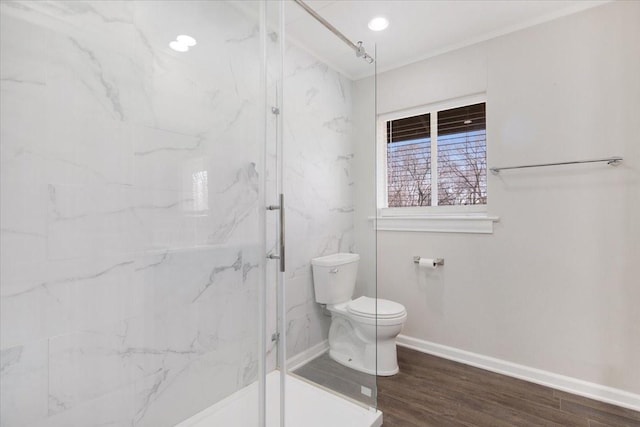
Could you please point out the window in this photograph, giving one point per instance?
(432, 168)
(437, 157)
(409, 161)
(462, 156)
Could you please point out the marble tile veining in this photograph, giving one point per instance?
(317, 180)
(23, 389)
(130, 207)
(130, 189)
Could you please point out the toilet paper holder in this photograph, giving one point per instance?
(436, 261)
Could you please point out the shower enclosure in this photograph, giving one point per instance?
(140, 279)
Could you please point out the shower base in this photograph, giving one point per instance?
(306, 406)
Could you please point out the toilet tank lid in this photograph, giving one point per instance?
(335, 259)
(377, 307)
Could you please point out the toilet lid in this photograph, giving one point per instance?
(366, 307)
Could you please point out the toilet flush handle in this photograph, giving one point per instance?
(333, 270)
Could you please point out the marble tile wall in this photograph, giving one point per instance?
(318, 153)
(130, 188)
(129, 211)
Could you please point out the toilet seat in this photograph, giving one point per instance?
(376, 308)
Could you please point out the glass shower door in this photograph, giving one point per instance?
(132, 259)
(329, 199)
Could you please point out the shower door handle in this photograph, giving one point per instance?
(282, 265)
(280, 255)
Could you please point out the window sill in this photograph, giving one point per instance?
(477, 224)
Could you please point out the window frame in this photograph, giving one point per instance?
(381, 169)
(440, 218)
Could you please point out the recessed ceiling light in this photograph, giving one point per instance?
(378, 23)
(468, 122)
(186, 40)
(178, 47)
(182, 43)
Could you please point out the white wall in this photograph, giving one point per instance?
(557, 285)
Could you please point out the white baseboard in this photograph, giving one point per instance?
(594, 391)
(307, 356)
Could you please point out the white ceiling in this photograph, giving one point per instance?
(418, 29)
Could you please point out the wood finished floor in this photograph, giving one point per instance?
(431, 391)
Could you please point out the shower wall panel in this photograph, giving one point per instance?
(318, 183)
(130, 188)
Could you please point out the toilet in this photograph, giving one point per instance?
(360, 326)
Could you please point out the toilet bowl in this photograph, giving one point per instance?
(363, 331)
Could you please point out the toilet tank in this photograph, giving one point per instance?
(334, 277)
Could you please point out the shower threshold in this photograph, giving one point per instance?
(306, 406)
